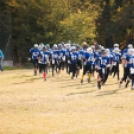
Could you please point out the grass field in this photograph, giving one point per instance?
(28, 105)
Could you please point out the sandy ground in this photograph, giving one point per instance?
(28, 105)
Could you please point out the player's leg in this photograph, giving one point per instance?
(114, 70)
(132, 82)
(59, 67)
(69, 68)
(74, 69)
(1, 65)
(90, 70)
(100, 77)
(125, 74)
(67, 65)
(35, 64)
(84, 72)
(93, 70)
(118, 71)
(45, 71)
(40, 68)
(52, 66)
(107, 74)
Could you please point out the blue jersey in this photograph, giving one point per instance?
(61, 54)
(50, 50)
(80, 55)
(84, 53)
(55, 54)
(97, 54)
(48, 53)
(111, 50)
(67, 52)
(125, 51)
(110, 56)
(73, 56)
(89, 58)
(35, 53)
(130, 61)
(116, 57)
(102, 62)
(44, 58)
(41, 57)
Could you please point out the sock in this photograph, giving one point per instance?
(82, 76)
(89, 76)
(44, 75)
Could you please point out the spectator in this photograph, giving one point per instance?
(1, 59)
(96, 45)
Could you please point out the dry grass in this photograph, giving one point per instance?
(28, 105)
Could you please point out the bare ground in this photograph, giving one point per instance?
(28, 105)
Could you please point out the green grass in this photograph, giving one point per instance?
(60, 105)
(24, 66)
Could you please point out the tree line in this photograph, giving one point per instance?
(54, 21)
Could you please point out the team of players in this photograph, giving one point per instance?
(92, 59)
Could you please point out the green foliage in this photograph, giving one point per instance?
(117, 21)
(54, 21)
(51, 21)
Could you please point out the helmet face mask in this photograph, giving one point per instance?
(116, 50)
(44, 48)
(89, 50)
(107, 51)
(73, 48)
(60, 46)
(41, 46)
(102, 47)
(55, 46)
(130, 46)
(36, 46)
(48, 46)
(131, 52)
(67, 46)
(116, 45)
(103, 52)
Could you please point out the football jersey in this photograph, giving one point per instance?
(35, 53)
(73, 57)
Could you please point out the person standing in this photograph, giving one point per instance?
(1, 60)
(96, 45)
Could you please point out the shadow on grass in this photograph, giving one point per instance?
(28, 80)
(34, 79)
(24, 82)
(102, 93)
(84, 92)
(112, 83)
(22, 76)
(78, 85)
(72, 85)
